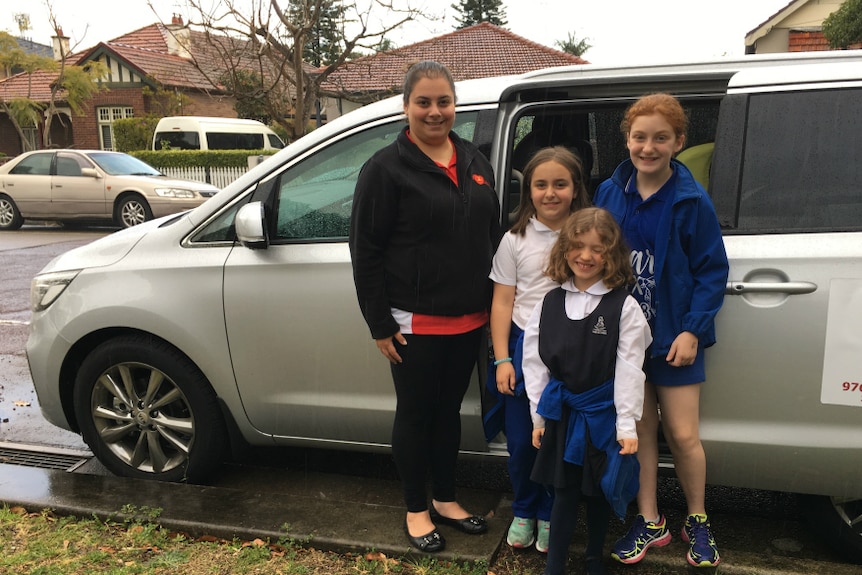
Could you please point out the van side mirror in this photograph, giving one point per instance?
(250, 224)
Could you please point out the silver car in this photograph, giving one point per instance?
(80, 185)
(238, 320)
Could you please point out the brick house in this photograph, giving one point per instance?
(795, 28)
(161, 55)
(155, 56)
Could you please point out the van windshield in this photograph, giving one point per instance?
(275, 141)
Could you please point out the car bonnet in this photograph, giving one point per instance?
(102, 252)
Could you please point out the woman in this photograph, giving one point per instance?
(423, 231)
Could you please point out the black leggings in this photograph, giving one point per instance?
(430, 384)
(564, 519)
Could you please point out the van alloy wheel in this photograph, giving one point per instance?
(838, 521)
(146, 411)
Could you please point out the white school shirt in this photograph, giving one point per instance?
(629, 377)
(520, 261)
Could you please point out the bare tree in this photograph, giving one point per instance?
(266, 39)
(79, 83)
(74, 84)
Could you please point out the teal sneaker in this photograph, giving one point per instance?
(702, 550)
(641, 536)
(521, 533)
(544, 529)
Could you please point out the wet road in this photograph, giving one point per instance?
(23, 254)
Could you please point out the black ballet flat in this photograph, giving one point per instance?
(473, 525)
(429, 543)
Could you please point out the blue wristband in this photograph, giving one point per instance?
(504, 360)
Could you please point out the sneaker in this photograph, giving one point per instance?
(642, 535)
(702, 551)
(544, 536)
(520, 534)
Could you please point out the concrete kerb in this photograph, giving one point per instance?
(323, 523)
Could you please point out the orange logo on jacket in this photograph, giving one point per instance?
(479, 179)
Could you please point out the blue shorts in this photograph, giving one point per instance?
(660, 372)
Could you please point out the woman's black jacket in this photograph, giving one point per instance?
(419, 242)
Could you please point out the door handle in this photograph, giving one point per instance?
(739, 288)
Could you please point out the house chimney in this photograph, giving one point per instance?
(179, 38)
(61, 45)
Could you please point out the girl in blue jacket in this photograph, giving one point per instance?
(681, 271)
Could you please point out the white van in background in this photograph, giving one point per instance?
(211, 133)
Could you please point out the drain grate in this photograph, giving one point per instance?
(44, 458)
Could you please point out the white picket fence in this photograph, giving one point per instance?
(219, 177)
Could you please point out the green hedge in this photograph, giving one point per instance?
(201, 158)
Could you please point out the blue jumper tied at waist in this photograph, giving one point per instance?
(494, 418)
(594, 410)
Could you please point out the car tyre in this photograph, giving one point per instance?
(838, 521)
(132, 210)
(148, 412)
(10, 215)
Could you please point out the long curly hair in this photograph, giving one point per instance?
(618, 269)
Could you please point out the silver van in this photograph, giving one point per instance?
(243, 310)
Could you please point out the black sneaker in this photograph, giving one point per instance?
(642, 535)
(702, 550)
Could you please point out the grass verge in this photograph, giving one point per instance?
(42, 543)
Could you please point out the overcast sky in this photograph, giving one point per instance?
(618, 30)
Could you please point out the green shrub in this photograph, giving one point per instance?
(131, 134)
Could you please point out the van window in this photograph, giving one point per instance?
(178, 140)
(801, 175)
(234, 141)
(592, 131)
(315, 196)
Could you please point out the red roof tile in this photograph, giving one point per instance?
(167, 69)
(146, 51)
(36, 87)
(479, 51)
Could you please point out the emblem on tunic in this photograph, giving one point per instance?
(599, 328)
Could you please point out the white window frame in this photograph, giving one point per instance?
(31, 137)
(106, 116)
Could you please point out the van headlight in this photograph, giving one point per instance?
(46, 288)
(174, 193)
